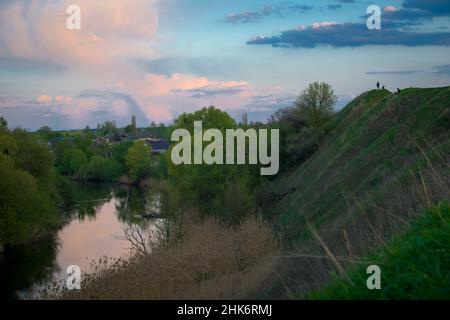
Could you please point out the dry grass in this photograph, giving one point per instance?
(210, 262)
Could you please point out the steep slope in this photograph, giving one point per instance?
(378, 138)
(387, 159)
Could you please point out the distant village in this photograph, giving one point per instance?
(108, 134)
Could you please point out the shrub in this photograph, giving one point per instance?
(26, 213)
(99, 169)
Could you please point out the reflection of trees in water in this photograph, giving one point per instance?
(88, 198)
(133, 204)
(23, 267)
(147, 235)
(133, 207)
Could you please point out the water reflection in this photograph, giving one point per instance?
(94, 227)
(22, 267)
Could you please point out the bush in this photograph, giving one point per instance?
(26, 213)
(72, 161)
(99, 169)
(211, 189)
(209, 262)
(305, 124)
(139, 161)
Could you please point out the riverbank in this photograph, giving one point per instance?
(210, 261)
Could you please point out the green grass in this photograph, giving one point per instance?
(413, 266)
(374, 142)
(386, 160)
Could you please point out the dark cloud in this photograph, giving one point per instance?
(211, 67)
(434, 7)
(351, 35)
(400, 72)
(267, 11)
(334, 7)
(105, 100)
(215, 92)
(299, 8)
(211, 91)
(416, 12)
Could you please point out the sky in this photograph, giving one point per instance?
(159, 58)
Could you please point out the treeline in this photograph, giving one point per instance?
(28, 187)
(79, 158)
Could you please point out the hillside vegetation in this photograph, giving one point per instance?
(415, 266)
(386, 159)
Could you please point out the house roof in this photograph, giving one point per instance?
(159, 145)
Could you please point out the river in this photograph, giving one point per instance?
(94, 227)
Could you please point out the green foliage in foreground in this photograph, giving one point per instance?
(28, 196)
(414, 266)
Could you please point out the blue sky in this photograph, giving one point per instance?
(161, 58)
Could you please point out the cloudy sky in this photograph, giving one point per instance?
(159, 58)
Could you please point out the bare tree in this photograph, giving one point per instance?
(144, 239)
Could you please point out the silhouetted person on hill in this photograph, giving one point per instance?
(398, 90)
(383, 88)
(378, 86)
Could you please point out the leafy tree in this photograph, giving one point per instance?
(129, 129)
(304, 124)
(44, 132)
(139, 161)
(32, 155)
(27, 192)
(3, 124)
(316, 104)
(99, 169)
(26, 213)
(73, 160)
(119, 153)
(211, 118)
(8, 144)
(108, 127)
(204, 186)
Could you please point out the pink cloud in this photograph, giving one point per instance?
(390, 9)
(110, 30)
(44, 99)
(63, 99)
(324, 24)
(113, 32)
(156, 85)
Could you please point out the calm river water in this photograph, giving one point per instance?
(94, 228)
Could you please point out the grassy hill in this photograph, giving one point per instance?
(387, 159)
(414, 265)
